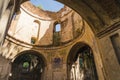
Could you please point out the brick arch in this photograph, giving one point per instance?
(77, 50)
(28, 64)
(33, 53)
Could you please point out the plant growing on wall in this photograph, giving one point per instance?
(39, 6)
(33, 40)
(25, 64)
(56, 39)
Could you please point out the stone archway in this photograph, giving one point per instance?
(80, 63)
(29, 65)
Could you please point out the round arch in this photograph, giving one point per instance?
(33, 52)
(75, 48)
(28, 64)
(80, 62)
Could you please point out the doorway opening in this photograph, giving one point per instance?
(81, 65)
(29, 65)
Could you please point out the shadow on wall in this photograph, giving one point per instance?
(5, 66)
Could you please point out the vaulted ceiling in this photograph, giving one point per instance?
(99, 14)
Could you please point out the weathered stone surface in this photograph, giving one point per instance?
(100, 16)
(5, 67)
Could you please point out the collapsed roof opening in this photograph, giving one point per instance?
(49, 5)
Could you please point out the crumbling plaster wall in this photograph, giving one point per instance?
(52, 70)
(23, 27)
(11, 48)
(104, 46)
(111, 64)
(26, 28)
(5, 67)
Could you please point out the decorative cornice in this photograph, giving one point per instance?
(115, 26)
(45, 47)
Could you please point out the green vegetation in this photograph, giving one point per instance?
(25, 64)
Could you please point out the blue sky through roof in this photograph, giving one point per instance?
(58, 27)
(50, 5)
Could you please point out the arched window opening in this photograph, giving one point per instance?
(57, 34)
(58, 27)
(35, 32)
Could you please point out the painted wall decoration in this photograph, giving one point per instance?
(57, 62)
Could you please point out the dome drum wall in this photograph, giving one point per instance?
(42, 32)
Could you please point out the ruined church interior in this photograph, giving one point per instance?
(80, 41)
